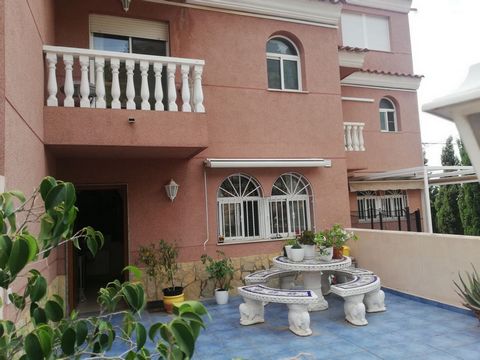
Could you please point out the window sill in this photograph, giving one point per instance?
(239, 242)
(289, 91)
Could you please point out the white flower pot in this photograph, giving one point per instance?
(288, 250)
(297, 254)
(328, 254)
(309, 251)
(221, 296)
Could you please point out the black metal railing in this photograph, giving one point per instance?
(378, 219)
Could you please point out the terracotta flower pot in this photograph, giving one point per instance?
(338, 252)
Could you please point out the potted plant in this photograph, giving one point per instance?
(149, 259)
(338, 237)
(470, 291)
(288, 246)
(168, 260)
(325, 246)
(307, 240)
(221, 271)
(298, 252)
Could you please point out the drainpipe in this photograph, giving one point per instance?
(206, 208)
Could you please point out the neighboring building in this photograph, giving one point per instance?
(262, 132)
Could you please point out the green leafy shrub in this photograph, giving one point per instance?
(221, 271)
(337, 236)
(49, 332)
(307, 238)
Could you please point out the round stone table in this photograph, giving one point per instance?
(312, 274)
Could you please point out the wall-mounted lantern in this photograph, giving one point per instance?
(126, 4)
(171, 189)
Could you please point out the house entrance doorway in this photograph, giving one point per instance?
(105, 210)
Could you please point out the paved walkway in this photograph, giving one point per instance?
(407, 330)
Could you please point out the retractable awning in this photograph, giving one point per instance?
(421, 177)
(267, 163)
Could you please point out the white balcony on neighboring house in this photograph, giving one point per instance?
(102, 79)
(353, 136)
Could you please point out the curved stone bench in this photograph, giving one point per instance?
(252, 311)
(375, 300)
(359, 289)
(287, 277)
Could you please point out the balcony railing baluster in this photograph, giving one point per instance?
(95, 80)
(353, 136)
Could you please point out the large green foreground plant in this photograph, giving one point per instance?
(47, 331)
(470, 291)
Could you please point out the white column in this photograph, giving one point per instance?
(427, 211)
(84, 83)
(349, 137)
(115, 65)
(100, 82)
(157, 68)
(172, 91)
(360, 137)
(197, 89)
(345, 136)
(130, 91)
(68, 85)
(185, 69)
(52, 80)
(144, 92)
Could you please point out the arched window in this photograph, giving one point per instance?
(391, 203)
(290, 205)
(388, 115)
(238, 200)
(283, 64)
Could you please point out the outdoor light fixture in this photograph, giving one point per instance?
(463, 108)
(171, 189)
(126, 4)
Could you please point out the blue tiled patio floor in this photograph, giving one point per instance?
(407, 330)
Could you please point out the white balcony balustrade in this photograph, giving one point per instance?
(105, 79)
(353, 136)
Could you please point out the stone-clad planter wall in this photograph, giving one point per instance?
(193, 275)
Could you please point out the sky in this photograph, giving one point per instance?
(445, 43)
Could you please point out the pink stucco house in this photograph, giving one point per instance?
(261, 111)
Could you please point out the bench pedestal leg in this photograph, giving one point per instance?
(375, 301)
(313, 281)
(326, 283)
(251, 312)
(287, 282)
(299, 319)
(355, 310)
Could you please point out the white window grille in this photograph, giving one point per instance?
(283, 64)
(290, 206)
(240, 208)
(390, 203)
(388, 116)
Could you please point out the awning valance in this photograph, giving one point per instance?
(385, 185)
(267, 163)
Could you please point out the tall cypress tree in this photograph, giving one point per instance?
(469, 199)
(446, 201)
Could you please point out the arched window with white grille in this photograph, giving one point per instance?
(391, 203)
(290, 205)
(240, 213)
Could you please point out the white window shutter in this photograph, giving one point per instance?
(105, 24)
